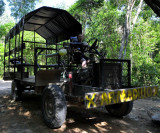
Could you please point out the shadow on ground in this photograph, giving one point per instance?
(25, 117)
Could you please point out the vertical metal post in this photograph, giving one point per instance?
(129, 73)
(35, 61)
(19, 43)
(15, 50)
(58, 57)
(101, 78)
(34, 39)
(35, 57)
(46, 54)
(9, 56)
(22, 46)
(4, 56)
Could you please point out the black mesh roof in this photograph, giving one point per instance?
(155, 5)
(51, 23)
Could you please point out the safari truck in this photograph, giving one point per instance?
(39, 57)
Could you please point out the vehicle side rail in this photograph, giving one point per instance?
(47, 66)
(24, 64)
(17, 49)
(45, 48)
(42, 43)
(52, 55)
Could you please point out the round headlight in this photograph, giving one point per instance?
(62, 52)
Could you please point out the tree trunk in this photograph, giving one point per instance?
(128, 27)
(133, 24)
(137, 14)
(126, 30)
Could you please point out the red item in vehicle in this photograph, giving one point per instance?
(70, 75)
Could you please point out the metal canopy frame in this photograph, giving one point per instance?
(155, 5)
(54, 25)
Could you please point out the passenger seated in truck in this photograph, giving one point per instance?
(78, 47)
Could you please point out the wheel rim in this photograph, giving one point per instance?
(49, 106)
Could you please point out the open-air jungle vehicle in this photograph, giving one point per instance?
(54, 73)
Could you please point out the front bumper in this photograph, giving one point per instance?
(108, 97)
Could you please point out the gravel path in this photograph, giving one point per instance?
(25, 117)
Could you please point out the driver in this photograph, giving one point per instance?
(79, 52)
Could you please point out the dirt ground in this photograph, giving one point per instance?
(25, 117)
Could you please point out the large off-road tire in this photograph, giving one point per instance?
(16, 90)
(120, 109)
(54, 108)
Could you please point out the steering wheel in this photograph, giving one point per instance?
(93, 46)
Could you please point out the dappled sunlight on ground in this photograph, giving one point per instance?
(25, 116)
(61, 129)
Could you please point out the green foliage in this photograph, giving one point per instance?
(145, 73)
(29, 47)
(105, 23)
(88, 5)
(21, 7)
(4, 29)
(104, 28)
(145, 54)
(82, 10)
(2, 7)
